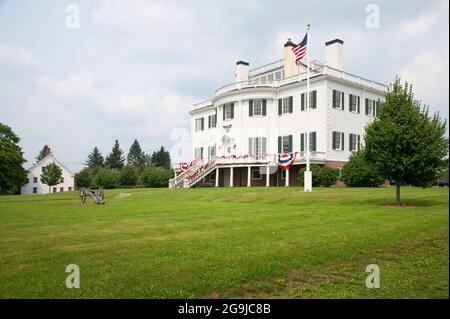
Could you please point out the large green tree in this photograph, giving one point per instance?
(51, 175)
(83, 178)
(95, 160)
(12, 174)
(359, 172)
(115, 159)
(136, 157)
(404, 142)
(161, 158)
(42, 153)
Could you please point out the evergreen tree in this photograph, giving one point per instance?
(12, 174)
(404, 143)
(136, 157)
(42, 153)
(95, 160)
(161, 158)
(51, 175)
(115, 159)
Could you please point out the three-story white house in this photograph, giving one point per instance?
(237, 135)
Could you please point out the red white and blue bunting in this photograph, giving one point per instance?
(286, 160)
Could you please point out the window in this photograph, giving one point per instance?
(211, 152)
(270, 78)
(371, 107)
(285, 144)
(338, 100)
(199, 124)
(312, 142)
(278, 75)
(338, 141)
(62, 180)
(256, 173)
(354, 142)
(354, 103)
(34, 190)
(257, 146)
(257, 107)
(312, 100)
(285, 105)
(228, 111)
(262, 80)
(198, 153)
(283, 173)
(61, 189)
(35, 180)
(212, 121)
(54, 189)
(70, 189)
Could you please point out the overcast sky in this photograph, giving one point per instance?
(133, 68)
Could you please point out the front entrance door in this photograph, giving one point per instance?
(226, 177)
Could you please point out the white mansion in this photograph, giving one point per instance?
(237, 135)
(35, 185)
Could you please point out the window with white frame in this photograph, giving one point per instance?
(198, 152)
(278, 75)
(212, 121)
(257, 146)
(338, 141)
(285, 144)
(370, 107)
(256, 173)
(199, 124)
(257, 107)
(269, 78)
(286, 105)
(262, 80)
(338, 100)
(228, 111)
(211, 152)
(354, 142)
(354, 103)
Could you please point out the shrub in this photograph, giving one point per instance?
(107, 178)
(156, 177)
(83, 178)
(128, 176)
(360, 173)
(315, 175)
(327, 176)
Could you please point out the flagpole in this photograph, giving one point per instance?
(308, 174)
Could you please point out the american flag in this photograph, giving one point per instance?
(300, 49)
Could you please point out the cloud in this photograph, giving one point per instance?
(14, 55)
(426, 21)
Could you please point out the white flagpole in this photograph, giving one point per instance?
(308, 174)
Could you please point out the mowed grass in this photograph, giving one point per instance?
(226, 242)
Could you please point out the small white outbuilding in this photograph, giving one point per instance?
(35, 186)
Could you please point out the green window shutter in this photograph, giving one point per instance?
(232, 110)
(313, 142)
(264, 107)
(367, 106)
(279, 144)
(250, 108)
(334, 141)
(377, 104)
(250, 146)
(334, 99)
(359, 142)
(223, 112)
(359, 104)
(280, 106)
(202, 121)
(350, 140)
(343, 100)
(264, 145)
(290, 143)
(350, 104)
(303, 102)
(291, 104)
(314, 104)
(341, 147)
(209, 121)
(302, 142)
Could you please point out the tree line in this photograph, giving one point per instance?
(137, 169)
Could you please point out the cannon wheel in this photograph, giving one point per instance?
(82, 196)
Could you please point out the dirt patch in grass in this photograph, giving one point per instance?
(122, 195)
(402, 205)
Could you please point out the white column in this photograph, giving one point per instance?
(267, 176)
(287, 178)
(217, 177)
(249, 176)
(231, 176)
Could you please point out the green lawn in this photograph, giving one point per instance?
(226, 242)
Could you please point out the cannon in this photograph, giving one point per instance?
(97, 194)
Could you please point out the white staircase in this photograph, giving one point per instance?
(193, 175)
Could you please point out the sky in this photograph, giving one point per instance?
(79, 74)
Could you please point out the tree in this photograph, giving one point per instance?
(156, 177)
(42, 153)
(51, 175)
(12, 174)
(327, 176)
(315, 175)
(136, 157)
(161, 158)
(83, 178)
(95, 160)
(128, 176)
(107, 178)
(115, 159)
(404, 143)
(358, 172)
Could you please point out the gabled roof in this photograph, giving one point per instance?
(54, 159)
